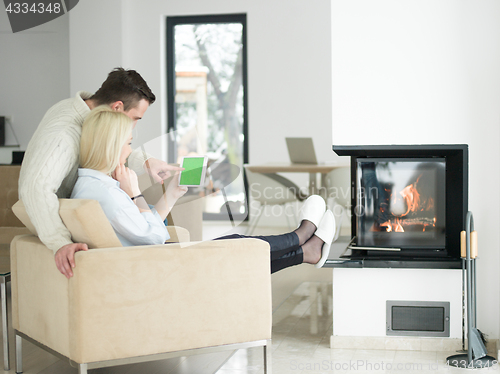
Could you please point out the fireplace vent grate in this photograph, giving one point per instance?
(418, 318)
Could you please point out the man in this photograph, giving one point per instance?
(49, 169)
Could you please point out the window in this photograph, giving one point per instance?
(207, 104)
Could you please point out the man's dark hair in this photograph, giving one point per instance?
(126, 86)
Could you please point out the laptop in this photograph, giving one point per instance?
(301, 150)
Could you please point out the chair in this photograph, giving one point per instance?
(271, 189)
(338, 194)
(138, 304)
(10, 226)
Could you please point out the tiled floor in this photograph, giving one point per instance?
(302, 327)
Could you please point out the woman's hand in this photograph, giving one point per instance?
(174, 191)
(170, 197)
(128, 180)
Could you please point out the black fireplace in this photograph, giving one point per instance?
(409, 202)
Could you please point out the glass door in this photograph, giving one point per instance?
(207, 115)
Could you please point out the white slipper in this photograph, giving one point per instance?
(326, 232)
(313, 210)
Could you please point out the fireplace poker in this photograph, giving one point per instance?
(463, 306)
(476, 356)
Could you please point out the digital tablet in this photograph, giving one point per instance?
(195, 168)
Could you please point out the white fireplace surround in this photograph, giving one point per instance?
(360, 295)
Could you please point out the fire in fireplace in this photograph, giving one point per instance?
(409, 198)
(401, 202)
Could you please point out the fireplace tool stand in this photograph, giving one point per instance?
(476, 356)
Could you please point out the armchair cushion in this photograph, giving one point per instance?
(88, 224)
(84, 219)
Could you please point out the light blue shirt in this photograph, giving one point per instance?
(131, 226)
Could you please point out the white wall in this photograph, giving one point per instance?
(289, 76)
(95, 34)
(34, 74)
(418, 72)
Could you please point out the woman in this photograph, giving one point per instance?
(104, 147)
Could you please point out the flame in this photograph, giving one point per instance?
(396, 227)
(387, 225)
(414, 203)
(412, 198)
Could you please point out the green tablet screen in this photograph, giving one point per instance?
(193, 172)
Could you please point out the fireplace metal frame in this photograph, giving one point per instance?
(457, 192)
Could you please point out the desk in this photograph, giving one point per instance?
(312, 169)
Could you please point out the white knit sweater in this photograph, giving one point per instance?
(50, 168)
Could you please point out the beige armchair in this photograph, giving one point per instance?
(137, 304)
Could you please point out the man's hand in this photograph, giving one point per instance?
(160, 170)
(65, 257)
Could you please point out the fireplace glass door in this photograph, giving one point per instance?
(401, 203)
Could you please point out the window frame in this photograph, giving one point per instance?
(171, 22)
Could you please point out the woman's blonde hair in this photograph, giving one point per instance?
(104, 132)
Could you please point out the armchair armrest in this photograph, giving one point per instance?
(177, 234)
